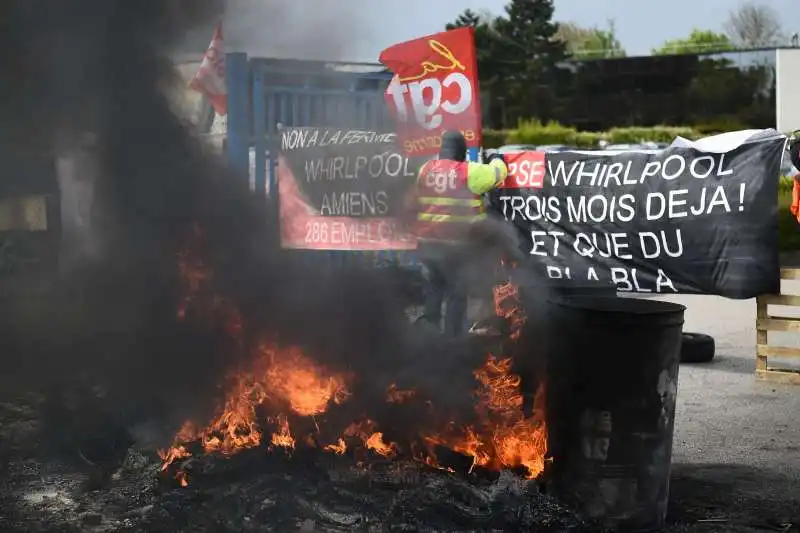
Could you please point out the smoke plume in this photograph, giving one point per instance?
(302, 29)
(86, 76)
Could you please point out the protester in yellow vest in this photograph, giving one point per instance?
(794, 157)
(449, 200)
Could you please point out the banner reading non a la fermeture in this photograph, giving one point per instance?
(343, 190)
(695, 218)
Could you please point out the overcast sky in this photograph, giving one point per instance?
(357, 30)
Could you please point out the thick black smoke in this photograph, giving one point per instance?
(87, 76)
(302, 29)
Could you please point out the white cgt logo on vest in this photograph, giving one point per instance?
(442, 181)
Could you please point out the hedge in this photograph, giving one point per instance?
(785, 184)
(538, 133)
(535, 132)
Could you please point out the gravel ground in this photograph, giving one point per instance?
(724, 414)
(736, 452)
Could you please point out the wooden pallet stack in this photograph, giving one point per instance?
(766, 322)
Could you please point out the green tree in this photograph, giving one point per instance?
(488, 71)
(698, 42)
(526, 53)
(590, 43)
(466, 19)
(485, 38)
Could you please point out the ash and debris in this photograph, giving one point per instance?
(44, 491)
(252, 491)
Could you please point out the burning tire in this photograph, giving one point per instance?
(697, 348)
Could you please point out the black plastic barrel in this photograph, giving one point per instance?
(596, 290)
(612, 374)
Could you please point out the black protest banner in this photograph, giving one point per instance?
(682, 220)
(343, 190)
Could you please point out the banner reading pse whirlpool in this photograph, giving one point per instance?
(343, 190)
(698, 217)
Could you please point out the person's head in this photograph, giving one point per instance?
(454, 146)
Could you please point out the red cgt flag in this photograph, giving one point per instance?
(434, 89)
(210, 76)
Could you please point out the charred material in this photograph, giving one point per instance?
(259, 491)
(76, 428)
(379, 495)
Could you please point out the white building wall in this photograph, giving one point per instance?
(787, 89)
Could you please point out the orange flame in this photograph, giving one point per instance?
(504, 437)
(301, 383)
(282, 378)
(338, 448)
(283, 437)
(371, 439)
(283, 382)
(506, 306)
(395, 395)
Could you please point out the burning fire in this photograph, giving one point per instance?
(507, 306)
(504, 438)
(285, 379)
(278, 401)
